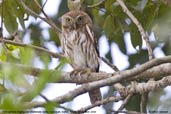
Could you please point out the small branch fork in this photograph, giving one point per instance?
(47, 19)
(109, 80)
(146, 39)
(137, 89)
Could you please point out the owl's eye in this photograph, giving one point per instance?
(80, 18)
(68, 19)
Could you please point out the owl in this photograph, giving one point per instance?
(80, 45)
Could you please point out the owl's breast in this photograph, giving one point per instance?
(75, 42)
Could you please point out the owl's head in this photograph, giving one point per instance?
(75, 20)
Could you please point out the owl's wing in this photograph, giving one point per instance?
(93, 39)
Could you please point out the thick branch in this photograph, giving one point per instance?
(112, 78)
(149, 86)
(152, 69)
(138, 88)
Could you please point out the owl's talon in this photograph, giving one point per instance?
(78, 72)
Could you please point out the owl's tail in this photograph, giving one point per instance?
(95, 95)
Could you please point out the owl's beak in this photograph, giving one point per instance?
(74, 25)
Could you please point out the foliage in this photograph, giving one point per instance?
(109, 20)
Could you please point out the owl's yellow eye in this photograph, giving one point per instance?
(80, 18)
(68, 19)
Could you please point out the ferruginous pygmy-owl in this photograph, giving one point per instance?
(80, 45)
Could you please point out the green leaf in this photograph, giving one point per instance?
(141, 5)
(3, 56)
(9, 17)
(147, 16)
(2, 89)
(9, 102)
(155, 102)
(109, 27)
(45, 59)
(119, 39)
(32, 5)
(54, 36)
(138, 58)
(19, 12)
(36, 35)
(50, 106)
(108, 4)
(134, 103)
(38, 86)
(27, 56)
(162, 24)
(167, 47)
(136, 39)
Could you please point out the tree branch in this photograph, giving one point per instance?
(56, 55)
(149, 86)
(111, 79)
(156, 68)
(125, 102)
(47, 20)
(103, 102)
(139, 26)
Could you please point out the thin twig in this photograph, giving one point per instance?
(49, 21)
(108, 63)
(53, 25)
(124, 103)
(56, 55)
(58, 106)
(44, 4)
(103, 102)
(44, 97)
(126, 112)
(139, 26)
(118, 86)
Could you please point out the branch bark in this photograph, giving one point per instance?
(109, 79)
(156, 68)
(138, 88)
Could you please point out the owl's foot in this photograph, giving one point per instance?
(80, 71)
(80, 74)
